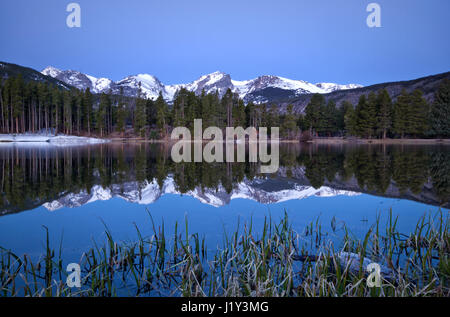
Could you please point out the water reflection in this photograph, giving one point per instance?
(33, 176)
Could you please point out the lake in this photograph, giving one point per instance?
(77, 192)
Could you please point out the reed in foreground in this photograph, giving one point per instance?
(274, 261)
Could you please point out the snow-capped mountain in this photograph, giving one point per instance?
(263, 82)
(149, 192)
(210, 83)
(150, 86)
(80, 80)
(52, 71)
(261, 89)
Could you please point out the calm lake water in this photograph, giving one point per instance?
(76, 191)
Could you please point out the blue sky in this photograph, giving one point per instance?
(178, 40)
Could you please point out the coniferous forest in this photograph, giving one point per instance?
(32, 107)
(376, 115)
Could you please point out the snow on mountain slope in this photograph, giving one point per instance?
(243, 88)
(210, 83)
(151, 86)
(150, 192)
(51, 71)
(79, 80)
(330, 87)
(100, 84)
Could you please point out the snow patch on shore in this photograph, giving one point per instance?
(52, 139)
(66, 139)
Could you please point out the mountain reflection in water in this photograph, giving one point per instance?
(56, 177)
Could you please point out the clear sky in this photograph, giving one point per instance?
(179, 40)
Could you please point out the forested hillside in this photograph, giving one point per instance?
(428, 85)
(28, 74)
(377, 115)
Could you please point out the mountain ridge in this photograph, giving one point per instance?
(268, 88)
(217, 81)
(151, 192)
(29, 74)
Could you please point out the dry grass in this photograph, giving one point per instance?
(275, 261)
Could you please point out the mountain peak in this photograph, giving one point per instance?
(51, 71)
(213, 77)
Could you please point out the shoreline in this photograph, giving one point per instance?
(378, 141)
(72, 139)
(313, 141)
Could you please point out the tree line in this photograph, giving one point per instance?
(36, 106)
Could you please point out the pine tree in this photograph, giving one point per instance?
(340, 120)
(43, 112)
(215, 109)
(2, 110)
(418, 114)
(88, 111)
(314, 114)
(150, 111)
(239, 113)
(121, 114)
(366, 115)
(330, 118)
(273, 118)
(109, 114)
(161, 115)
(17, 101)
(250, 115)
(140, 116)
(265, 122)
(79, 107)
(227, 106)
(8, 105)
(57, 101)
(401, 109)
(101, 113)
(301, 123)
(440, 111)
(180, 105)
(67, 112)
(207, 110)
(384, 113)
(351, 119)
(289, 125)
(193, 108)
